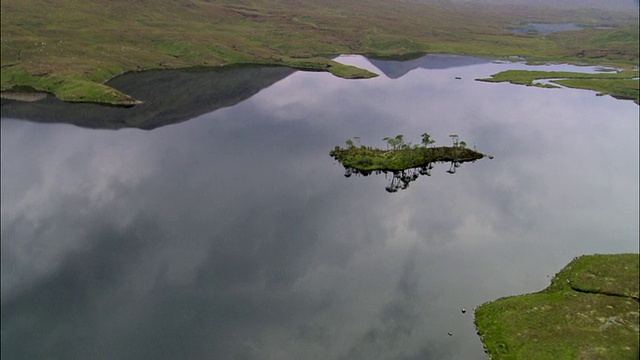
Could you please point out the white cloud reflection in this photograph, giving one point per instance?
(235, 234)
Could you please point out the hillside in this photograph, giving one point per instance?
(71, 48)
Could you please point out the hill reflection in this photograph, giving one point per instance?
(173, 96)
(170, 97)
(398, 69)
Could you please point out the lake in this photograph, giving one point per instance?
(228, 232)
(543, 29)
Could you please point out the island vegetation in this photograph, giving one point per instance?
(590, 311)
(71, 49)
(621, 85)
(405, 161)
(400, 155)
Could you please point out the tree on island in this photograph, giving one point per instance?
(395, 142)
(454, 138)
(426, 140)
(387, 140)
(405, 161)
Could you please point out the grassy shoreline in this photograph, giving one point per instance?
(82, 91)
(621, 85)
(590, 311)
(42, 49)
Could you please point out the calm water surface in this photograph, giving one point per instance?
(234, 235)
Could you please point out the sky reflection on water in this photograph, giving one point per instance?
(235, 235)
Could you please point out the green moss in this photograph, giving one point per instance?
(590, 310)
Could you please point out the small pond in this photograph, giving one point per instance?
(228, 232)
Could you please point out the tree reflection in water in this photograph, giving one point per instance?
(404, 161)
(400, 180)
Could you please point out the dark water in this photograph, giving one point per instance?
(234, 235)
(168, 97)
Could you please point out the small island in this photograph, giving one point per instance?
(590, 311)
(400, 155)
(406, 161)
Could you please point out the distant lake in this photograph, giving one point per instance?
(543, 28)
(226, 231)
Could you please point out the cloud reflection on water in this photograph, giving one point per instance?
(234, 235)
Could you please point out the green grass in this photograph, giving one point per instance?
(621, 85)
(43, 47)
(626, 89)
(349, 72)
(590, 311)
(526, 77)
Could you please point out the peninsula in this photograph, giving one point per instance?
(621, 85)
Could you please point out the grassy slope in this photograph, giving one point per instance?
(590, 311)
(70, 48)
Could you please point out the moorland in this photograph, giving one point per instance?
(589, 311)
(70, 49)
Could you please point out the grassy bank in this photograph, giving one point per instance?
(621, 85)
(590, 311)
(70, 49)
